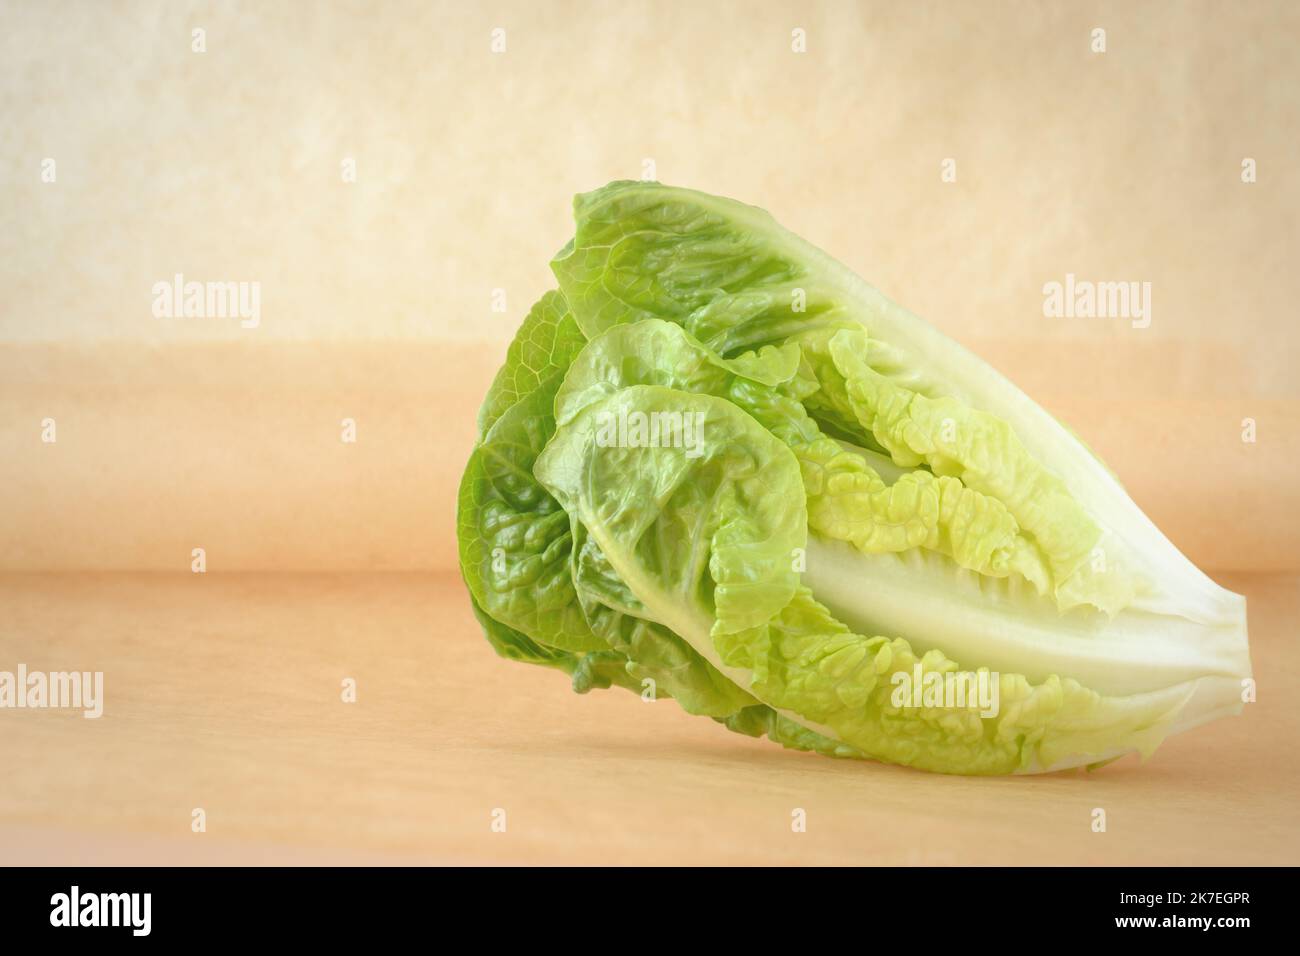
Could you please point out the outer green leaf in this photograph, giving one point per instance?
(514, 537)
(514, 646)
(847, 687)
(542, 349)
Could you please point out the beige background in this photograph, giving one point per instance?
(376, 295)
(376, 305)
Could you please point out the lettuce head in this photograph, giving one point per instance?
(717, 466)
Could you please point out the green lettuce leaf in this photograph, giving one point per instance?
(514, 537)
(542, 349)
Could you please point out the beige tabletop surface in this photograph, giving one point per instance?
(222, 692)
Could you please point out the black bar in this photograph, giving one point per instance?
(332, 905)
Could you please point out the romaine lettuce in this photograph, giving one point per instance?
(718, 464)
